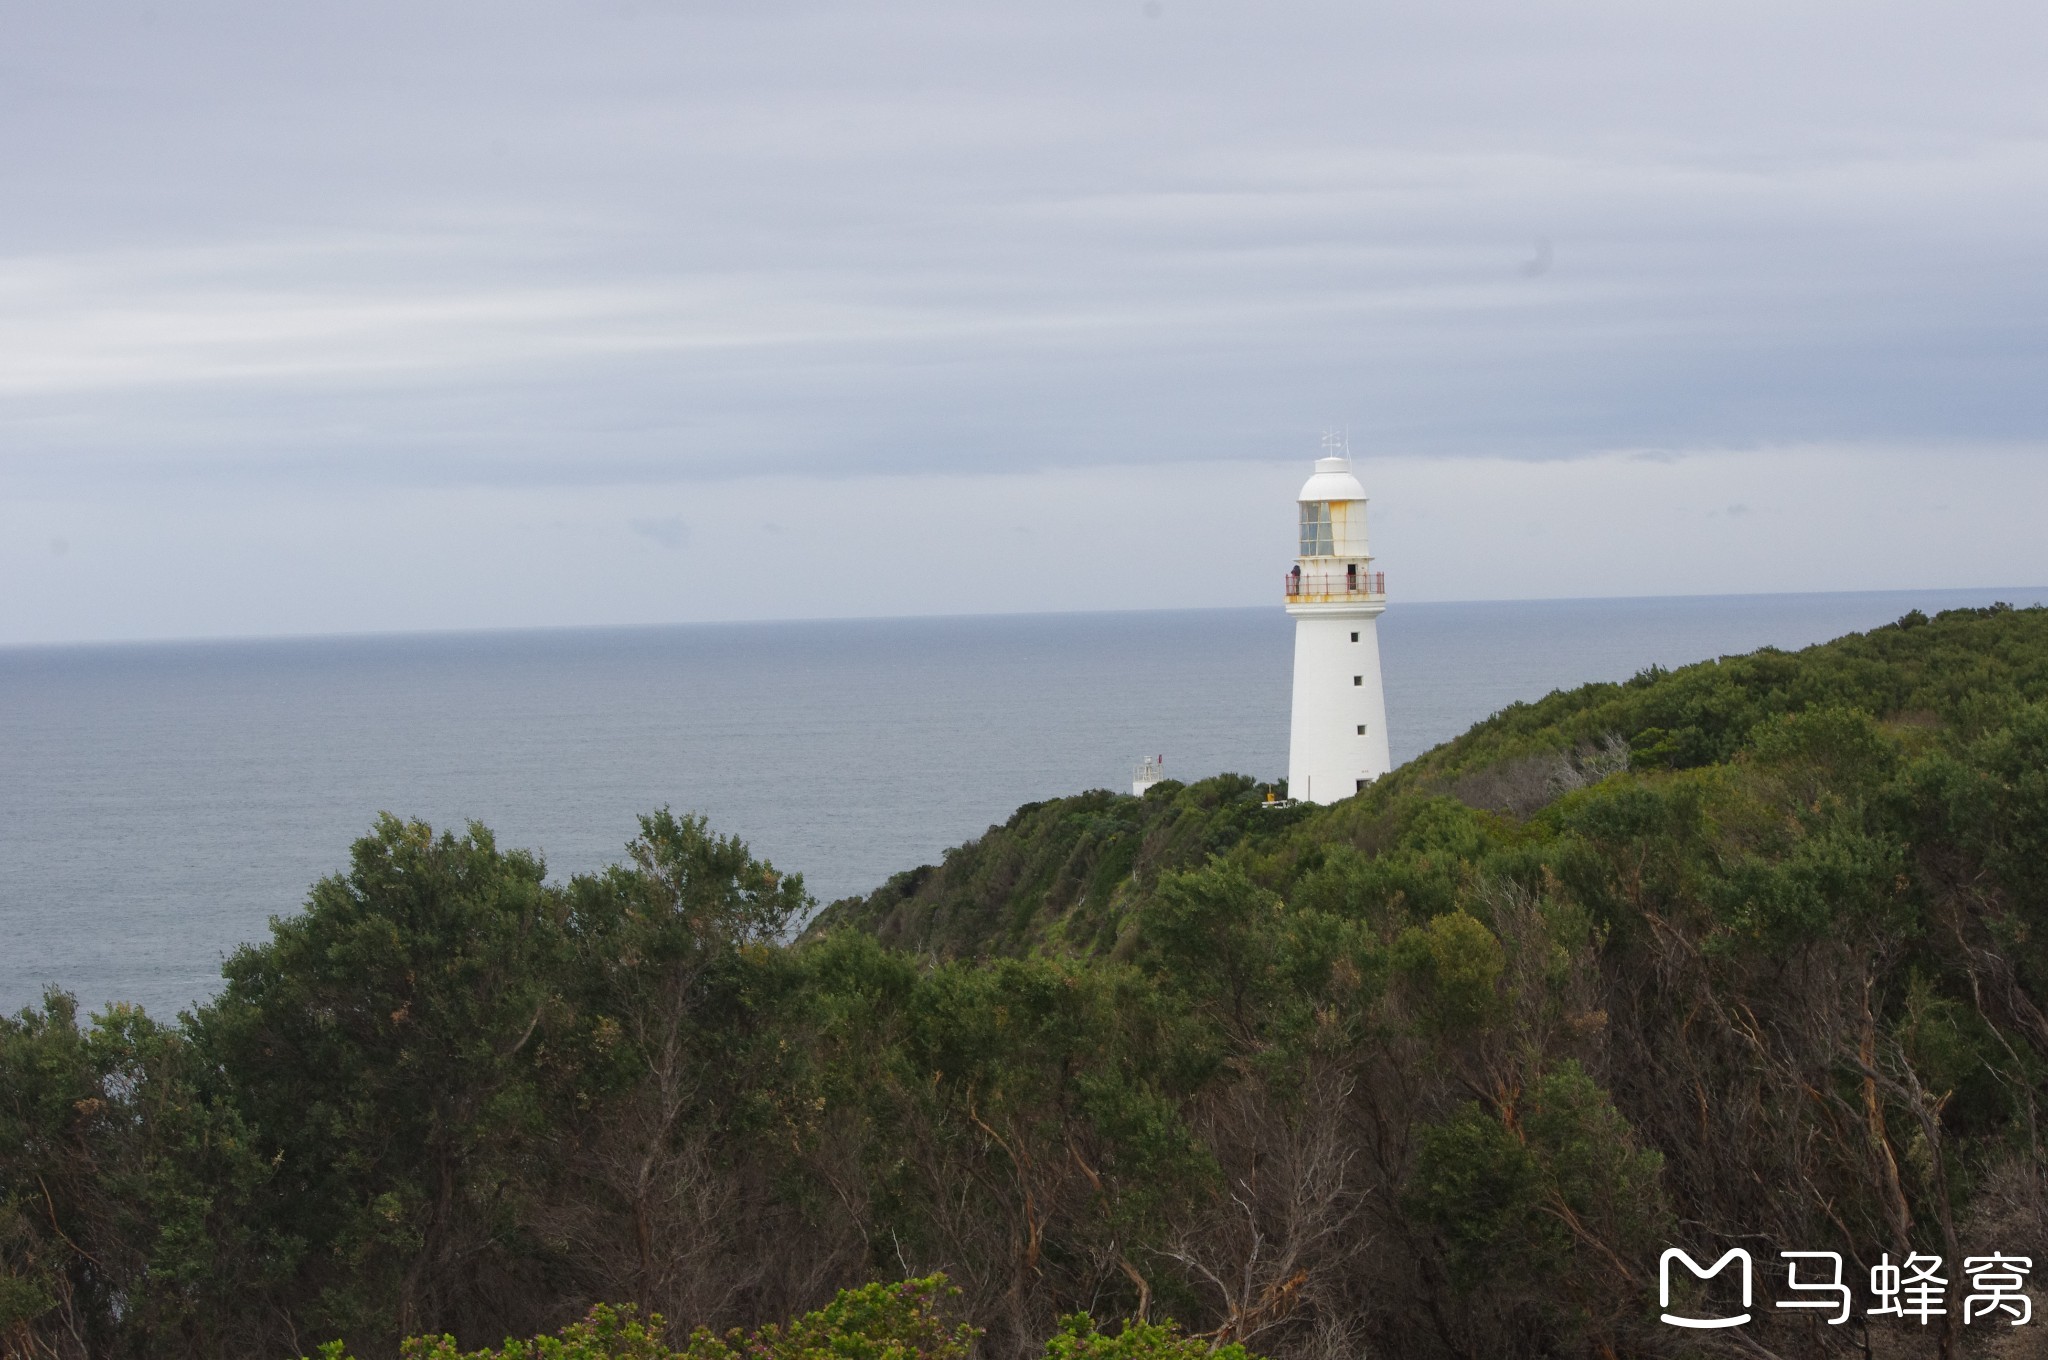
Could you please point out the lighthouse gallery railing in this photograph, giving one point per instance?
(1322, 586)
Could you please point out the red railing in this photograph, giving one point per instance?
(1335, 585)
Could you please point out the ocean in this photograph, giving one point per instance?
(160, 802)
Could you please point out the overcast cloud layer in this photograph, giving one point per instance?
(469, 314)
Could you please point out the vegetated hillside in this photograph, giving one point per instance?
(1064, 875)
(1749, 954)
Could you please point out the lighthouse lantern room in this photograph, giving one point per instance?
(1338, 740)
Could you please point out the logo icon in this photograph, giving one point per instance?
(1700, 1272)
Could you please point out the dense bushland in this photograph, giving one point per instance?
(903, 1321)
(1750, 953)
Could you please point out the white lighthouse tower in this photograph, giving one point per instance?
(1338, 743)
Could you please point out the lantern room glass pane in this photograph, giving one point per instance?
(1315, 530)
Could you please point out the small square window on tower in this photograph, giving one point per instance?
(1361, 786)
(1361, 729)
(1354, 637)
(1357, 679)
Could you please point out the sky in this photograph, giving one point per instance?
(455, 314)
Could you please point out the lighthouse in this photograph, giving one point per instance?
(1338, 738)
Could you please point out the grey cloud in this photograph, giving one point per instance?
(539, 243)
(670, 533)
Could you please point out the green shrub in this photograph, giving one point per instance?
(874, 1322)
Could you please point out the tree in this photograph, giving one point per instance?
(382, 1044)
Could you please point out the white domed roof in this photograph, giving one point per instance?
(1333, 482)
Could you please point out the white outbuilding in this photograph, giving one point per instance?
(1338, 738)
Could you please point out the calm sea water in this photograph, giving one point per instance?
(160, 802)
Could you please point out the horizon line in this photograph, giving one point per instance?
(2040, 592)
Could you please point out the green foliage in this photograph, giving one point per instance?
(1453, 965)
(1838, 875)
(1541, 1196)
(1481, 1187)
(382, 1043)
(121, 1185)
(607, 1333)
(46, 1085)
(1067, 868)
(873, 1322)
(1212, 929)
(1843, 745)
(1591, 1160)
(1964, 668)
(1079, 1339)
